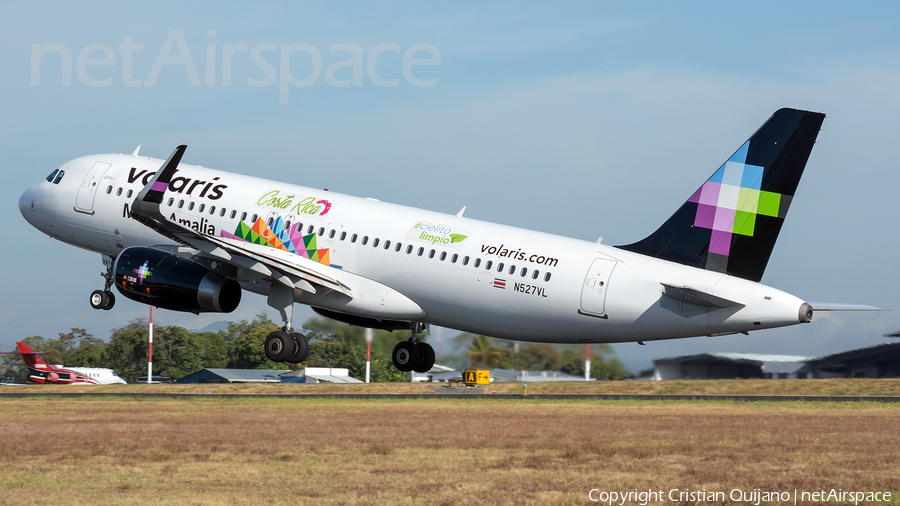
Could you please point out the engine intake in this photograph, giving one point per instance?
(160, 279)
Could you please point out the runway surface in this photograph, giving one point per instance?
(555, 397)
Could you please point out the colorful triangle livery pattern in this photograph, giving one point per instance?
(287, 239)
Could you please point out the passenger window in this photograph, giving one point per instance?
(109, 190)
(212, 210)
(300, 228)
(421, 251)
(119, 192)
(244, 216)
(512, 270)
(233, 214)
(353, 238)
(202, 207)
(343, 235)
(488, 264)
(387, 244)
(465, 260)
(547, 277)
(477, 262)
(431, 254)
(171, 201)
(365, 240)
(180, 203)
(310, 229)
(500, 267)
(127, 195)
(321, 231)
(222, 213)
(331, 234)
(443, 255)
(524, 271)
(409, 249)
(269, 222)
(287, 226)
(375, 243)
(253, 218)
(52, 175)
(453, 258)
(399, 247)
(191, 206)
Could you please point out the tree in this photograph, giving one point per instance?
(249, 350)
(90, 355)
(127, 352)
(336, 344)
(483, 352)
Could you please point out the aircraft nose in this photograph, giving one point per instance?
(30, 203)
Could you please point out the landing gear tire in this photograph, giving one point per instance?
(99, 299)
(426, 354)
(406, 355)
(300, 349)
(110, 302)
(279, 346)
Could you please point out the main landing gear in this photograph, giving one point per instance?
(285, 345)
(104, 299)
(412, 355)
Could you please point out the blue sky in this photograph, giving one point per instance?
(582, 119)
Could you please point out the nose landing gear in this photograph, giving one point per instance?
(104, 299)
(412, 355)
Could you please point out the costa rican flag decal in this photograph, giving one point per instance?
(500, 283)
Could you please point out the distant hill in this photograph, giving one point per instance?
(214, 327)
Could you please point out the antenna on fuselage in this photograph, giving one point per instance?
(136, 150)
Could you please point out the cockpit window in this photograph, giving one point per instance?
(52, 175)
(59, 177)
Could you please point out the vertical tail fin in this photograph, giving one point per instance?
(731, 223)
(31, 357)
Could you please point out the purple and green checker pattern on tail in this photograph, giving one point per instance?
(729, 202)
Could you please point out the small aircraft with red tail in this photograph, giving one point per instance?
(43, 373)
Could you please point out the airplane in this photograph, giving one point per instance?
(189, 238)
(43, 373)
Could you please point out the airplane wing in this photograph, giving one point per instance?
(273, 264)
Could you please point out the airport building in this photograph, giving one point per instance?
(731, 365)
(880, 361)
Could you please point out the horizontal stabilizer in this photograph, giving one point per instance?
(697, 297)
(834, 306)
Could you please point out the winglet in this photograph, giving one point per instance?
(154, 190)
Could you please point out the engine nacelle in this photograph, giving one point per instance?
(160, 279)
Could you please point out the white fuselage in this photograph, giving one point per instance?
(539, 287)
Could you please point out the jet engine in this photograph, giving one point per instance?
(164, 280)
